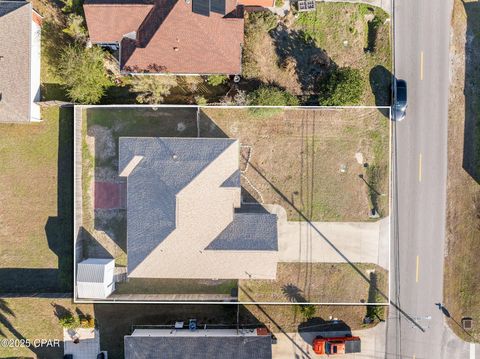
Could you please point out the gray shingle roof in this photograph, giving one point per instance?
(15, 49)
(233, 180)
(248, 231)
(259, 347)
(169, 164)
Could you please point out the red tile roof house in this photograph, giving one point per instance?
(170, 36)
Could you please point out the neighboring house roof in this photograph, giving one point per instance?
(109, 22)
(257, 3)
(174, 36)
(181, 200)
(15, 60)
(201, 347)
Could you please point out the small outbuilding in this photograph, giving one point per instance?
(95, 278)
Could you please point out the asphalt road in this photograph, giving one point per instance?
(418, 329)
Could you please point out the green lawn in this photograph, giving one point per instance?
(36, 197)
(175, 286)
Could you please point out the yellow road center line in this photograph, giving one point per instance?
(416, 274)
(421, 65)
(420, 168)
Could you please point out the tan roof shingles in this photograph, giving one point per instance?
(15, 52)
(107, 23)
(189, 43)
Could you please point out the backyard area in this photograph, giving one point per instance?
(36, 198)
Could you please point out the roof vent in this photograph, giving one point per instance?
(175, 157)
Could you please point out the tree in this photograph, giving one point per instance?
(270, 96)
(152, 89)
(83, 73)
(216, 80)
(343, 87)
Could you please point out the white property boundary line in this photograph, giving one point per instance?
(328, 108)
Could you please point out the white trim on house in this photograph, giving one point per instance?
(35, 61)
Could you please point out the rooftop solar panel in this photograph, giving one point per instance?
(201, 7)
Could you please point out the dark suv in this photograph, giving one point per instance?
(399, 100)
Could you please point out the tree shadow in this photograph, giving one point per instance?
(471, 149)
(381, 84)
(293, 293)
(298, 54)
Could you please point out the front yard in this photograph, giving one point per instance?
(320, 165)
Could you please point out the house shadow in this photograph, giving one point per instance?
(471, 149)
(381, 84)
(58, 229)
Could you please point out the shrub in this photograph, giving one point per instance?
(270, 96)
(83, 73)
(152, 89)
(68, 321)
(216, 80)
(200, 100)
(308, 311)
(343, 87)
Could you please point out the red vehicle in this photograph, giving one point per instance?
(336, 345)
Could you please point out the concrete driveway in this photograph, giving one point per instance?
(298, 345)
(332, 242)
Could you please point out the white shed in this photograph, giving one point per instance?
(95, 278)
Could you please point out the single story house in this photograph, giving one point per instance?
(19, 62)
(184, 213)
(170, 36)
(199, 343)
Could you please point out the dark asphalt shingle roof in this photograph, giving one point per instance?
(15, 49)
(256, 347)
(233, 180)
(248, 231)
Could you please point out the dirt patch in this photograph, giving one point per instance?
(462, 275)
